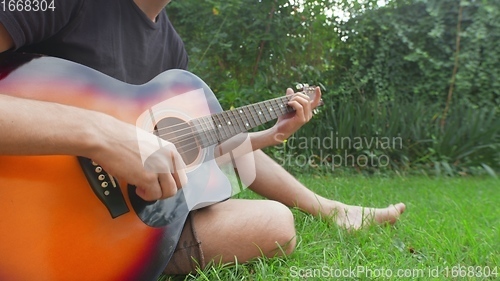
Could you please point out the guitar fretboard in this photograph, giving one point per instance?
(221, 126)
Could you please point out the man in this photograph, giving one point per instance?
(132, 40)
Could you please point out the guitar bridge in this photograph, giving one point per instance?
(105, 187)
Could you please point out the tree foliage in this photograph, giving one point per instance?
(251, 49)
(402, 50)
(407, 50)
(440, 54)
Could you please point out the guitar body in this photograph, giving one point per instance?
(53, 226)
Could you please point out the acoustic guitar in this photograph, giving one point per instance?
(64, 218)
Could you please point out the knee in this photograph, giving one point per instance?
(282, 228)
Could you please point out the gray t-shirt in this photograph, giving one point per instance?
(112, 36)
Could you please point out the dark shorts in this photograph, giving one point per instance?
(188, 256)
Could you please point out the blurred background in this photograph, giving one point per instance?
(422, 72)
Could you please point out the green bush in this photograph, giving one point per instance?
(377, 136)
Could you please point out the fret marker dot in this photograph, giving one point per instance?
(281, 105)
(229, 123)
(246, 124)
(270, 109)
(260, 113)
(220, 126)
(241, 111)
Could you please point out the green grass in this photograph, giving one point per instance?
(451, 227)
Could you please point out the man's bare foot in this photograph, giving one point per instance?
(356, 217)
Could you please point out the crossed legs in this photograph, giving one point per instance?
(246, 229)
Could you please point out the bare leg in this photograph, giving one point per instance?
(276, 183)
(245, 229)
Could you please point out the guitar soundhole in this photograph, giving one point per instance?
(180, 133)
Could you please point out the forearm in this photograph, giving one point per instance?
(266, 138)
(32, 127)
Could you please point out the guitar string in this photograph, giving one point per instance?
(192, 143)
(309, 91)
(191, 136)
(226, 130)
(170, 127)
(241, 118)
(237, 117)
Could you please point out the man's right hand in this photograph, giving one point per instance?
(140, 158)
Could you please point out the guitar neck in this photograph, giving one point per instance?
(216, 128)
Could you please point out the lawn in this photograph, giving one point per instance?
(450, 231)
